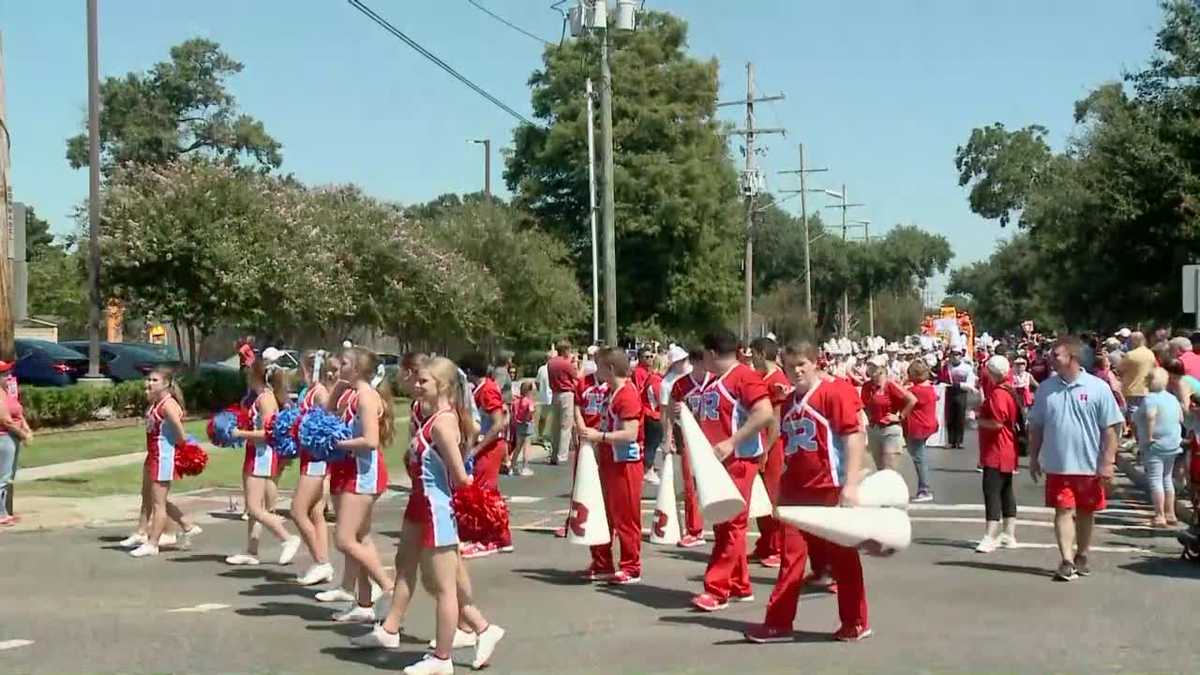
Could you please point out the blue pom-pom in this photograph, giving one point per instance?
(319, 431)
(221, 428)
(469, 465)
(283, 442)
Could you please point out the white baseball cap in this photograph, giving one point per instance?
(676, 354)
(1124, 333)
(271, 354)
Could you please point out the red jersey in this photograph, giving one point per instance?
(640, 375)
(561, 374)
(487, 400)
(589, 398)
(725, 407)
(922, 421)
(813, 427)
(522, 410)
(882, 401)
(688, 391)
(649, 392)
(622, 405)
(998, 447)
(780, 389)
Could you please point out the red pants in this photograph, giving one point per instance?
(728, 571)
(487, 476)
(846, 567)
(621, 483)
(693, 517)
(768, 527)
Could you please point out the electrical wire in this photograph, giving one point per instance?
(358, 4)
(508, 23)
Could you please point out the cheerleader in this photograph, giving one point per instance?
(489, 449)
(164, 433)
(261, 468)
(308, 502)
(429, 535)
(357, 481)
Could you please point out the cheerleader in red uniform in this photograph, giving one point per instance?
(357, 481)
(429, 536)
(260, 470)
(308, 502)
(489, 449)
(824, 449)
(164, 433)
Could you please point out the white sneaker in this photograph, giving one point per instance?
(319, 573)
(168, 539)
(376, 592)
(461, 639)
(378, 638)
(241, 559)
(338, 594)
(290, 546)
(431, 665)
(486, 644)
(355, 614)
(526, 472)
(651, 477)
(132, 541)
(986, 545)
(1007, 541)
(144, 550)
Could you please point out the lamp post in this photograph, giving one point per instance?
(93, 66)
(487, 166)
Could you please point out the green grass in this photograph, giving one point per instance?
(69, 446)
(224, 470)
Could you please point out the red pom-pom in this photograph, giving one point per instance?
(243, 416)
(269, 429)
(190, 459)
(481, 514)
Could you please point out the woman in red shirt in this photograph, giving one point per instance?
(998, 457)
(886, 403)
(919, 424)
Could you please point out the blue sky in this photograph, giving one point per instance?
(880, 91)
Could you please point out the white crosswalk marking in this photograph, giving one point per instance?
(204, 607)
(13, 644)
(524, 500)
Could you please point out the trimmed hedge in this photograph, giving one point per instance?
(203, 392)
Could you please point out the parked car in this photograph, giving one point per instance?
(45, 363)
(168, 352)
(124, 361)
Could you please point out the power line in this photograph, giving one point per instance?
(508, 23)
(357, 4)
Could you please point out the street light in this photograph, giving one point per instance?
(487, 166)
(93, 266)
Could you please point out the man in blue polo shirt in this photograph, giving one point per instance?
(1073, 440)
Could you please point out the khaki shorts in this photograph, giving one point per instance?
(885, 440)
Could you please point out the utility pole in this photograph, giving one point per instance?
(609, 199)
(6, 215)
(93, 53)
(803, 192)
(866, 225)
(487, 167)
(844, 206)
(591, 139)
(751, 183)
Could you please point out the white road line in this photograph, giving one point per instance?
(518, 499)
(1099, 549)
(13, 644)
(1138, 510)
(204, 607)
(1031, 523)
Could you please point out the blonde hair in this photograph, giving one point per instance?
(918, 371)
(272, 377)
(1157, 379)
(445, 373)
(365, 363)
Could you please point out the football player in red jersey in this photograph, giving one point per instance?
(764, 353)
(734, 408)
(687, 391)
(618, 445)
(824, 447)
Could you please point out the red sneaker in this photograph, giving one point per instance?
(764, 634)
(708, 602)
(852, 633)
(773, 561)
(690, 541)
(749, 597)
(622, 578)
(474, 550)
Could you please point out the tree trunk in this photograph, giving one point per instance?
(192, 356)
(178, 336)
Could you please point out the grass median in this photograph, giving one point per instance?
(70, 446)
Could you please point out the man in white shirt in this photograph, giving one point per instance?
(545, 398)
(960, 377)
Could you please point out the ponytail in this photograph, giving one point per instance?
(277, 380)
(173, 387)
(387, 415)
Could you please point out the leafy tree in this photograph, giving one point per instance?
(178, 108)
(1001, 166)
(38, 239)
(1005, 289)
(58, 288)
(678, 214)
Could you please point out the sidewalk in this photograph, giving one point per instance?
(80, 466)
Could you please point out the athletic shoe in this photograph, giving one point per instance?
(821, 581)
(987, 545)
(526, 472)
(1065, 572)
(773, 561)
(1007, 540)
(923, 496)
(764, 634)
(355, 614)
(979, 469)
(319, 573)
(431, 665)
(144, 550)
(623, 578)
(290, 546)
(690, 541)
(461, 639)
(476, 550)
(852, 633)
(376, 592)
(562, 459)
(593, 574)
(486, 644)
(132, 541)
(7, 521)
(1081, 566)
(708, 602)
(652, 478)
(507, 548)
(335, 595)
(378, 638)
(560, 533)
(185, 538)
(241, 559)
(168, 539)
(749, 597)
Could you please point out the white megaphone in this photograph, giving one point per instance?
(664, 528)
(587, 524)
(883, 488)
(760, 501)
(851, 526)
(719, 498)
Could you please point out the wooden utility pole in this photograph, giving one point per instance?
(6, 224)
(803, 192)
(844, 206)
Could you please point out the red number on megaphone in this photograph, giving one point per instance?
(578, 520)
(660, 524)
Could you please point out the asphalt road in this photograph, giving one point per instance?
(937, 607)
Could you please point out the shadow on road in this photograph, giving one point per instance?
(255, 573)
(997, 567)
(1174, 567)
(199, 557)
(277, 588)
(556, 577)
(303, 611)
(738, 627)
(654, 597)
(381, 659)
(691, 555)
(943, 541)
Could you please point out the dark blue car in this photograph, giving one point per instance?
(124, 362)
(45, 363)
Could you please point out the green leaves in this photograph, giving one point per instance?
(1001, 167)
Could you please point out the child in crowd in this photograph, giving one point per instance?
(522, 429)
